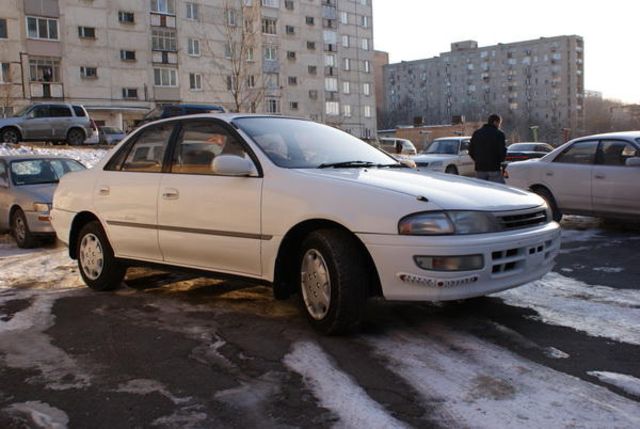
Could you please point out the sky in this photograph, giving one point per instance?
(417, 29)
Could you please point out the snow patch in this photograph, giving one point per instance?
(472, 383)
(552, 352)
(627, 383)
(147, 387)
(336, 391)
(609, 270)
(41, 414)
(87, 156)
(52, 267)
(599, 311)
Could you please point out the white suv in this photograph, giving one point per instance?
(301, 206)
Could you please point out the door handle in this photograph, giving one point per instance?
(104, 190)
(549, 173)
(170, 194)
(600, 176)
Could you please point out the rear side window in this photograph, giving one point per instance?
(579, 153)
(147, 152)
(59, 111)
(616, 152)
(79, 111)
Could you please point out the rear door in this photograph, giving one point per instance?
(126, 193)
(569, 175)
(616, 186)
(206, 220)
(61, 119)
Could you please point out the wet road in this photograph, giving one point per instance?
(175, 351)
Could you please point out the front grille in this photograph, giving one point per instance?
(521, 220)
(512, 261)
(422, 164)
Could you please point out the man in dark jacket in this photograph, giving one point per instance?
(488, 150)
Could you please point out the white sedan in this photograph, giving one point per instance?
(300, 206)
(595, 175)
(447, 155)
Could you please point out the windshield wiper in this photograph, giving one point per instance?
(398, 165)
(348, 164)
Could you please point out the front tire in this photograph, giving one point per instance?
(99, 268)
(20, 230)
(451, 169)
(556, 214)
(10, 135)
(333, 281)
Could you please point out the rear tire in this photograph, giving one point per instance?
(556, 214)
(20, 230)
(75, 137)
(99, 268)
(333, 281)
(451, 169)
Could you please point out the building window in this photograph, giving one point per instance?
(131, 93)
(346, 87)
(270, 53)
(347, 64)
(365, 44)
(192, 11)
(293, 105)
(293, 80)
(367, 66)
(42, 28)
(312, 69)
(163, 40)
(290, 29)
(364, 21)
(165, 77)
(344, 18)
(3, 28)
(311, 45)
(272, 105)
(366, 88)
(232, 17)
(251, 81)
(310, 20)
(330, 60)
(269, 25)
(195, 81)
(87, 32)
(5, 73)
(345, 41)
(126, 17)
(272, 80)
(288, 4)
(291, 55)
(127, 55)
(271, 3)
(88, 72)
(250, 54)
(346, 110)
(193, 47)
(331, 84)
(313, 94)
(44, 69)
(332, 108)
(367, 111)
(163, 6)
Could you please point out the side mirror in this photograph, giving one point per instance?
(232, 165)
(633, 162)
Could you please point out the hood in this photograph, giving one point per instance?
(447, 191)
(9, 121)
(434, 157)
(36, 193)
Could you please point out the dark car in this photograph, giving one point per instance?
(522, 151)
(171, 110)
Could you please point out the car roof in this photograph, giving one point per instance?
(453, 138)
(621, 134)
(227, 117)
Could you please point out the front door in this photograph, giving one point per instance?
(37, 124)
(126, 194)
(615, 185)
(206, 220)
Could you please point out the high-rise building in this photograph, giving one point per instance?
(310, 58)
(532, 83)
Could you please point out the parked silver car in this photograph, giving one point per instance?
(111, 135)
(27, 184)
(54, 122)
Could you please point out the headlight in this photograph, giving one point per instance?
(41, 207)
(448, 223)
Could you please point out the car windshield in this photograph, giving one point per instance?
(111, 130)
(41, 171)
(447, 147)
(296, 143)
(153, 114)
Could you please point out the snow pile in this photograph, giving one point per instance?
(41, 414)
(627, 383)
(87, 156)
(599, 311)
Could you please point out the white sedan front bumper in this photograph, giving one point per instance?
(510, 259)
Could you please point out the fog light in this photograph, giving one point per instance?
(450, 263)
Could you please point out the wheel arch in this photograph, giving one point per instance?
(80, 220)
(285, 273)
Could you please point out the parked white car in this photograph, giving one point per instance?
(596, 175)
(447, 155)
(301, 206)
(391, 144)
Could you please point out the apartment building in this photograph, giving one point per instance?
(309, 58)
(537, 82)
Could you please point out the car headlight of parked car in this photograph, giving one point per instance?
(435, 164)
(448, 223)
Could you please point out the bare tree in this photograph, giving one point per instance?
(7, 100)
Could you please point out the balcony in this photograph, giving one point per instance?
(49, 90)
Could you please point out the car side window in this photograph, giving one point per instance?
(147, 153)
(79, 111)
(579, 153)
(616, 152)
(59, 111)
(198, 145)
(39, 112)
